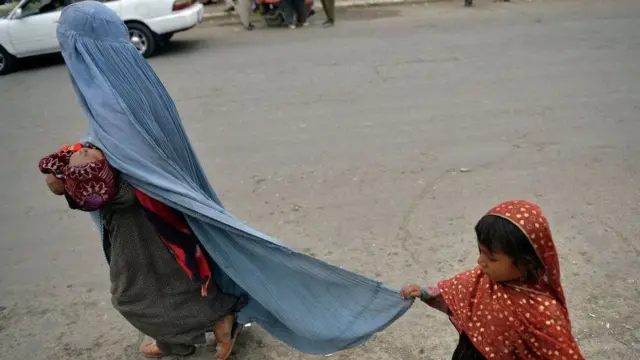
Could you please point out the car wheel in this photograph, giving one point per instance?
(7, 62)
(142, 38)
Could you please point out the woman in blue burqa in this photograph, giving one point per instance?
(180, 264)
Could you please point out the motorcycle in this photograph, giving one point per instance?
(272, 11)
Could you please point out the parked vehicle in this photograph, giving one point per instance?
(273, 13)
(30, 29)
(5, 8)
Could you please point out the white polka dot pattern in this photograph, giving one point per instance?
(515, 320)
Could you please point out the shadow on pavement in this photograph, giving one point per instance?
(39, 62)
(42, 62)
(181, 47)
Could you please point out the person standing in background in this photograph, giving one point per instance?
(329, 7)
(231, 6)
(295, 13)
(243, 8)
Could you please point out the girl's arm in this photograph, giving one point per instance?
(430, 296)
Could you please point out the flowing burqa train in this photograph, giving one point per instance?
(308, 304)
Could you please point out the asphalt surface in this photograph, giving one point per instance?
(347, 143)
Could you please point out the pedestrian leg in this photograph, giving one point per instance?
(244, 10)
(287, 10)
(301, 12)
(230, 6)
(329, 7)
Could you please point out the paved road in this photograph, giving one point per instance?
(347, 144)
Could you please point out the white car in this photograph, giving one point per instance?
(30, 29)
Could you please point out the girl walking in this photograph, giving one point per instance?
(512, 305)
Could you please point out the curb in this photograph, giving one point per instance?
(339, 5)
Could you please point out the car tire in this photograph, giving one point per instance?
(142, 38)
(7, 62)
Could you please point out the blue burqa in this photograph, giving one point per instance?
(310, 305)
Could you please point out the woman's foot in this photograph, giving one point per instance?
(226, 333)
(292, 27)
(152, 350)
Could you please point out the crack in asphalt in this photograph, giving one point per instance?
(621, 237)
(404, 234)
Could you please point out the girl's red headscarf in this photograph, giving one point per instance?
(515, 320)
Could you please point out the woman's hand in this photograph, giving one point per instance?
(411, 291)
(55, 185)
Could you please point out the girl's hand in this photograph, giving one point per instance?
(55, 185)
(411, 291)
(430, 296)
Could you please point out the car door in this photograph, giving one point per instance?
(35, 31)
(114, 5)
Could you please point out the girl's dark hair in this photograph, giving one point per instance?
(498, 234)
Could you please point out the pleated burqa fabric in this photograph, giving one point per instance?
(310, 305)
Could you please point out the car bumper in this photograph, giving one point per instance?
(179, 20)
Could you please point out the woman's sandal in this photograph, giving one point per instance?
(152, 350)
(223, 349)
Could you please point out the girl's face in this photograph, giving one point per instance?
(84, 156)
(497, 265)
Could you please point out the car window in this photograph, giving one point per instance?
(69, 2)
(38, 7)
